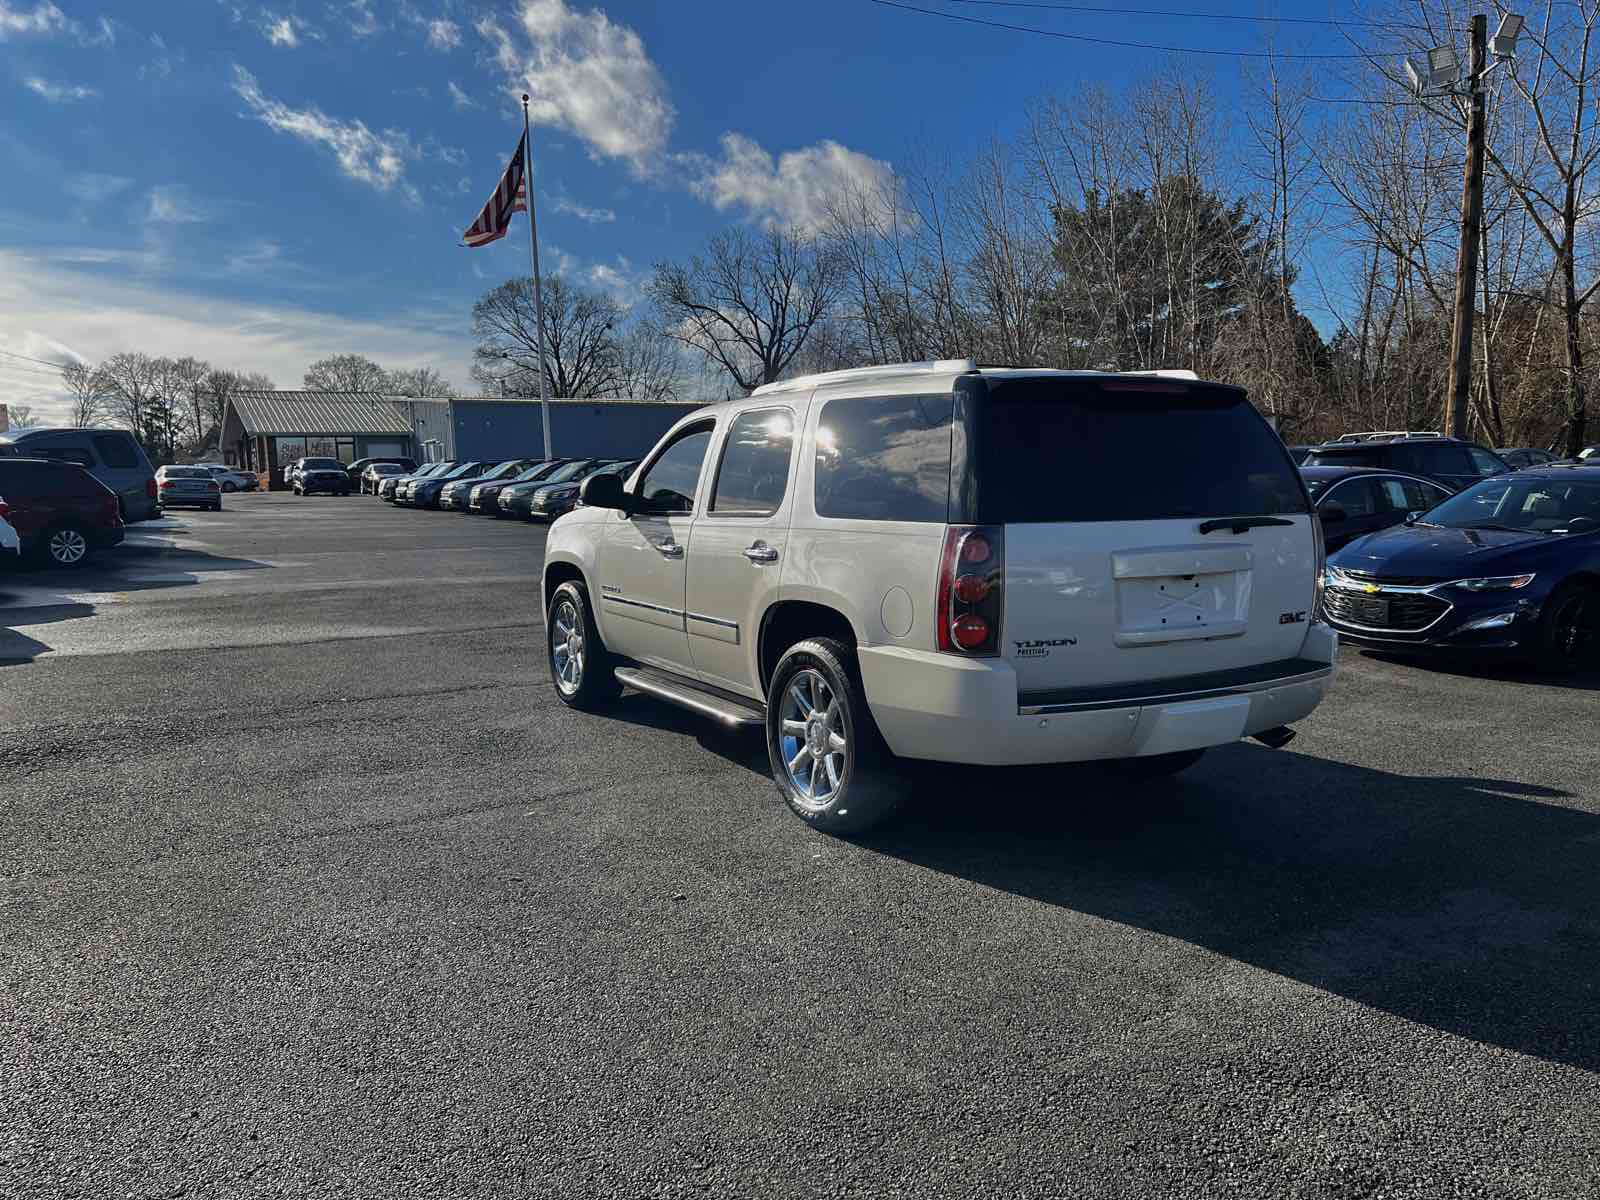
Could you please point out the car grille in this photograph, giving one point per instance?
(1396, 580)
(1402, 612)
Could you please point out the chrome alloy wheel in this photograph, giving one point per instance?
(566, 647)
(67, 546)
(812, 737)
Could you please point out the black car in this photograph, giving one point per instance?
(1352, 502)
(389, 489)
(361, 464)
(424, 493)
(456, 493)
(1448, 460)
(516, 500)
(1510, 564)
(485, 495)
(1518, 457)
(557, 499)
(321, 475)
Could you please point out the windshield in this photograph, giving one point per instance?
(1316, 486)
(538, 471)
(460, 471)
(572, 470)
(1521, 505)
(1054, 449)
(504, 470)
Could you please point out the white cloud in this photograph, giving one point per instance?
(40, 19)
(58, 93)
(359, 17)
(54, 312)
(443, 34)
(460, 99)
(587, 75)
(91, 186)
(171, 204)
(617, 278)
(281, 33)
(594, 216)
(794, 190)
(261, 256)
(376, 159)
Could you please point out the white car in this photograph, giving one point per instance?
(937, 561)
(10, 542)
(232, 480)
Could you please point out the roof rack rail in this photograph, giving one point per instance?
(1387, 435)
(939, 366)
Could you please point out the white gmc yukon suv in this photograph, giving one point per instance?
(941, 561)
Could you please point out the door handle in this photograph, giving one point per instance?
(670, 548)
(760, 552)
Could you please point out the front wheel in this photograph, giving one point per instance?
(66, 546)
(828, 758)
(1569, 630)
(579, 665)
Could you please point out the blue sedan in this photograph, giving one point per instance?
(1510, 564)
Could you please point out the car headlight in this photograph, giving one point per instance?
(1494, 583)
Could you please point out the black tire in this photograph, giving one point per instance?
(865, 788)
(65, 547)
(1157, 766)
(229, 486)
(593, 685)
(217, 507)
(1569, 629)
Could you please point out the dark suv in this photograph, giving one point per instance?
(1449, 460)
(60, 511)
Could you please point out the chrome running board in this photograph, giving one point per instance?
(730, 710)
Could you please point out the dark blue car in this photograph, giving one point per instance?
(1510, 564)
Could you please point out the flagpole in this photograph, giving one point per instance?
(538, 284)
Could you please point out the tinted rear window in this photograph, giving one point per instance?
(1343, 458)
(116, 450)
(1069, 450)
(885, 458)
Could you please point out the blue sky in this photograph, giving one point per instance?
(263, 183)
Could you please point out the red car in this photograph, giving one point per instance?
(60, 511)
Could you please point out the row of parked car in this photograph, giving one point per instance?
(532, 489)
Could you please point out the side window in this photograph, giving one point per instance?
(1431, 495)
(1356, 497)
(754, 473)
(115, 451)
(66, 454)
(1393, 494)
(669, 485)
(1446, 460)
(1486, 463)
(885, 458)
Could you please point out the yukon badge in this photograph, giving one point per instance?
(1041, 647)
(1292, 618)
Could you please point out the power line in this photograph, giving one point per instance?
(1099, 41)
(29, 370)
(42, 362)
(1197, 16)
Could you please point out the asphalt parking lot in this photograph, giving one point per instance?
(310, 886)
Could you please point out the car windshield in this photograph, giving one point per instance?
(1317, 486)
(460, 470)
(323, 464)
(538, 471)
(503, 471)
(572, 470)
(1521, 505)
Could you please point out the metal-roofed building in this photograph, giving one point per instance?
(263, 431)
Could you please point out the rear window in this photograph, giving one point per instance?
(1070, 450)
(185, 473)
(116, 450)
(1342, 458)
(885, 458)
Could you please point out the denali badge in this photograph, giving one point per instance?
(1040, 647)
(1291, 618)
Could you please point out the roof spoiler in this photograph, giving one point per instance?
(1166, 373)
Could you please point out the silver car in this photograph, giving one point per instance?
(188, 487)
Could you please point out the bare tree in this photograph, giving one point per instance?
(21, 416)
(132, 379)
(418, 382)
(89, 391)
(345, 373)
(582, 356)
(751, 301)
(649, 366)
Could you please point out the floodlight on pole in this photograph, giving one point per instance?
(1418, 84)
(1504, 42)
(1444, 67)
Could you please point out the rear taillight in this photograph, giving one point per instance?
(166, 483)
(971, 578)
(214, 487)
(150, 487)
(1321, 555)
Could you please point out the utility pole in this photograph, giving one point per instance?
(1471, 234)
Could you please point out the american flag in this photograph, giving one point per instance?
(510, 196)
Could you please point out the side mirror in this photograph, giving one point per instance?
(604, 491)
(1411, 517)
(1332, 513)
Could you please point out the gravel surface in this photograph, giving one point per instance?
(310, 887)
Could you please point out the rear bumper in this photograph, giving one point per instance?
(966, 710)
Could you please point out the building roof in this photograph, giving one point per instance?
(320, 412)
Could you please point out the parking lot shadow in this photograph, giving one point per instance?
(18, 648)
(1468, 905)
(1497, 670)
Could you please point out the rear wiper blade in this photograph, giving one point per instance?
(1240, 524)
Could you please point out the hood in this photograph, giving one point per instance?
(1426, 552)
